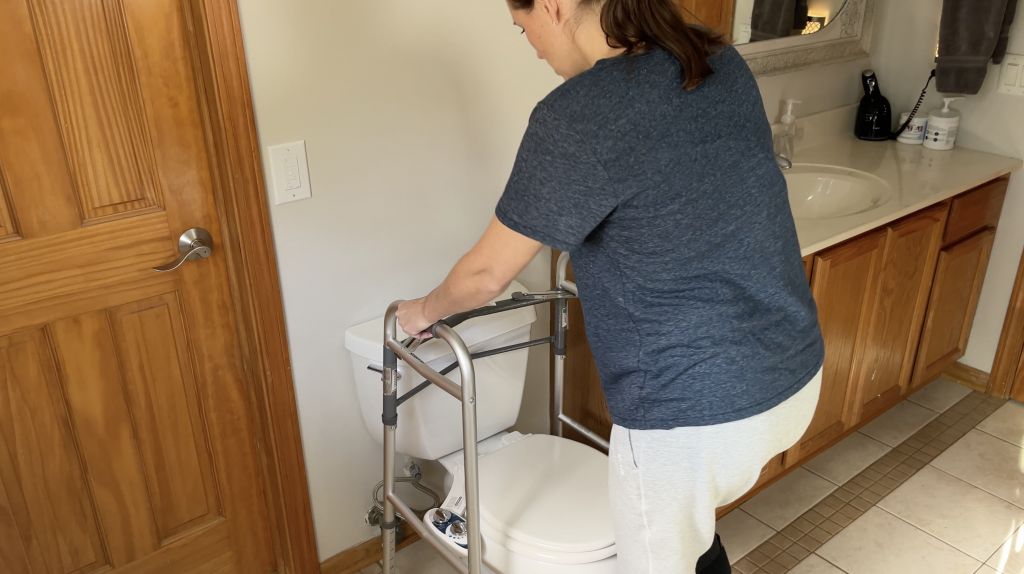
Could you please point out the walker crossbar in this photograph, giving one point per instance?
(480, 355)
(466, 394)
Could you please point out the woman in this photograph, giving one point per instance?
(652, 164)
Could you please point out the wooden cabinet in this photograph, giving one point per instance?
(908, 265)
(963, 261)
(954, 299)
(715, 14)
(843, 286)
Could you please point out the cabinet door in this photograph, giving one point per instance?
(715, 14)
(908, 265)
(954, 299)
(844, 289)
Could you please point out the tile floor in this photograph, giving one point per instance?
(935, 485)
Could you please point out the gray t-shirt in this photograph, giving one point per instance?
(684, 248)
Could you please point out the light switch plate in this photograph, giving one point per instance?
(290, 172)
(1011, 76)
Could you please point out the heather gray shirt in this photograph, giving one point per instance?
(696, 304)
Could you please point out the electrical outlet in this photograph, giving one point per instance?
(1011, 77)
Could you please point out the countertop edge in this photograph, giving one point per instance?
(905, 211)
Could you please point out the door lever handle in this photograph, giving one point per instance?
(195, 243)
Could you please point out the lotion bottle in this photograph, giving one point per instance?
(943, 126)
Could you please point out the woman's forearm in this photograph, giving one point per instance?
(469, 285)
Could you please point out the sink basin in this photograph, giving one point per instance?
(826, 191)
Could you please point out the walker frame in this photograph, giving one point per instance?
(394, 350)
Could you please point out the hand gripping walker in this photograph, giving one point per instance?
(466, 393)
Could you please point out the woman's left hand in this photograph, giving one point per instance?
(412, 317)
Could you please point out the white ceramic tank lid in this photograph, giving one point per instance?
(548, 492)
(366, 339)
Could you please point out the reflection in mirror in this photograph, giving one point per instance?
(757, 20)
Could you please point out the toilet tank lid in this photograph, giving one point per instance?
(548, 492)
(366, 339)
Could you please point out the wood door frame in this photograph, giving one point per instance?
(1008, 366)
(240, 194)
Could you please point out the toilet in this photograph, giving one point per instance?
(543, 499)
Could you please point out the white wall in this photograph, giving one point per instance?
(903, 54)
(412, 113)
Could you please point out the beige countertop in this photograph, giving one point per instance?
(918, 177)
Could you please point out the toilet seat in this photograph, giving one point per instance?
(546, 498)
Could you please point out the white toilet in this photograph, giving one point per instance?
(543, 499)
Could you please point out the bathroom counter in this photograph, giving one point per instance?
(918, 178)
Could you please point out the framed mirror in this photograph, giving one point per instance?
(762, 20)
(780, 35)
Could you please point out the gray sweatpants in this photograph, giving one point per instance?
(666, 484)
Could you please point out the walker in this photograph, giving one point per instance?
(466, 394)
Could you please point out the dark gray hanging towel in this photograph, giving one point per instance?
(969, 34)
(1004, 36)
(777, 18)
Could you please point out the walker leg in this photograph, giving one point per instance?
(558, 348)
(390, 420)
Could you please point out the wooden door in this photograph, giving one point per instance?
(844, 289)
(954, 299)
(126, 437)
(715, 14)
(908, 265)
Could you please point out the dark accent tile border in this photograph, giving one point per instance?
(812, 529)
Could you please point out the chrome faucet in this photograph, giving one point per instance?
(785, 141)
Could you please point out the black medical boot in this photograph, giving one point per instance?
(714, 561)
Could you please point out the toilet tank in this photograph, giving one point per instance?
(430, 423)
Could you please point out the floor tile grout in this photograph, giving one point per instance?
(1018, 530)
(825, 478)
(998, 437)
(836, 566)
(986, 491)
(925, 532)
(981, 488)
(849, 501)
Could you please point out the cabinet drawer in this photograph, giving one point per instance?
(974, 210)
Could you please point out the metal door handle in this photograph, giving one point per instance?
(195, 243)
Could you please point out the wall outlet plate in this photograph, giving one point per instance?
(1011, 75)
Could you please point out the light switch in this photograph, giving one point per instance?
(1011, 80)
(290, 172)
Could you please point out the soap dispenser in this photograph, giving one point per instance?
(943, 126)
(785, 142)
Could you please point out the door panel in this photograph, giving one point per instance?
(96, 394)
(48, 500)
(93, 81)
(164, 405)
(127, 443)
(8, 230)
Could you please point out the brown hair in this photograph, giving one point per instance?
(638, 24)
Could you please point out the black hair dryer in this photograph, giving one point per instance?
(874, 116)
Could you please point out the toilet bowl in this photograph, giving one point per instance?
(543, 499)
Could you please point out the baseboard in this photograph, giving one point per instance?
(976, 379)
(368, 553)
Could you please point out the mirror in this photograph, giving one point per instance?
(759, 20)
